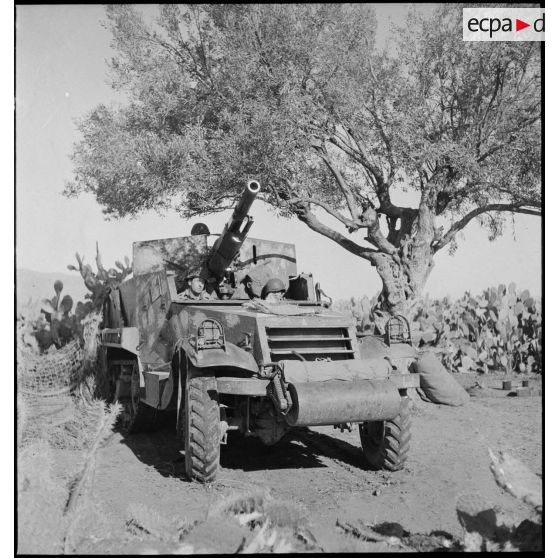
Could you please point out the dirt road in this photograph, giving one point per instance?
(323, 471)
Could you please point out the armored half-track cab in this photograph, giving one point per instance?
(189, 334)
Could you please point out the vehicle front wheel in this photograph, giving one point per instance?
(386, 443)
(202, 429)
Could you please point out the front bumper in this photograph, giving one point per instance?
(324, 392)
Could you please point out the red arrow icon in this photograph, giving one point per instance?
(519, 25)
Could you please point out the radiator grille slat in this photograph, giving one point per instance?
(291, 343)
(310, 351)
(280, 339)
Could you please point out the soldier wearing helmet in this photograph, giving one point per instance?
(199, 228)
(193, 286)
(274, 290)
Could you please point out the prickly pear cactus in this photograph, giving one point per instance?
(498, 330)
(99, 284)
(501, 329)
(61, 326)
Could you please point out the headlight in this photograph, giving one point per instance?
(210, 335)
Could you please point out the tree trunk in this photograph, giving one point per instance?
(403, 277)
(404, 274)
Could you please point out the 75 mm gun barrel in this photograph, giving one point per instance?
(228, 244)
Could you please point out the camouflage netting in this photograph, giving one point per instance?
(59, 372)
(57, 409)
(53, 373)
(47, 385)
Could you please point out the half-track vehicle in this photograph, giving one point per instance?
(189, 336)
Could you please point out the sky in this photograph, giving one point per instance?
(61, 74)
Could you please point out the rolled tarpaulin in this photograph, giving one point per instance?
(298, 371)
(338, 401)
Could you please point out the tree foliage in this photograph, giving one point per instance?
(299, 97)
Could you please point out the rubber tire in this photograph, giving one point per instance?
(202, 429)
(143, 417)
(386, 443)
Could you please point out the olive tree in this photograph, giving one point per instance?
(299, 97)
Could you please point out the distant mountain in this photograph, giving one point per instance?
(32, 286)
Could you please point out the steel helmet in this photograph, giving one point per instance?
(274, 285)
(199, 228)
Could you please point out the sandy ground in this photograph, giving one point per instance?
(323, 471)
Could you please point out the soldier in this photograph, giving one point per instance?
(224, 290)
(195, 289)
(274, 290)
(199, 228)
(248, 283)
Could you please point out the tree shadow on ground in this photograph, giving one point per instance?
(250, 454)
(158, 449)
(299, 448)
(333, 448)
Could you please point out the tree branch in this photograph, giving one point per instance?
(511, 138)
(349, 223)
(384, 137)
(382, 187)
(193, 67)
(309, 219)
(345, 188)
(359, 157)
(375, 235)
(464, 221)
(498, 82)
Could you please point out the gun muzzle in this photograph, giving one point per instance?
(245, 202)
